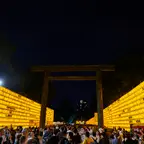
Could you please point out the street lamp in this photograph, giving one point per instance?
(1, 82)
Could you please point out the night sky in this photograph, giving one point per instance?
(80, 33)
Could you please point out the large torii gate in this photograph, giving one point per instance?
(70, 68)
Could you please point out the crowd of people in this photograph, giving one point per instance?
(67, 134)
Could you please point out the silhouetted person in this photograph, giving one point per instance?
(54, 139)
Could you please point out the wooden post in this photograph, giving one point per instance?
(44, 99)
(99, 98)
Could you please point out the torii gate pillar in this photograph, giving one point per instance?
(95, 68)
(99, 95)
(44, 99)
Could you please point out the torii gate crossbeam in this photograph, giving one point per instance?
(48, 69)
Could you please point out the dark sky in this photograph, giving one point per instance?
(83, 32)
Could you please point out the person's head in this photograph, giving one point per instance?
(1, 132)
(55, 131)
(87, 134)
(117, 135)
(137, 136)
(69, 128)
(36, 135)
(112, 136)
(31, 141)
(25, 132)
(128, 136)
(70, 135)
(62, 128)
(18, 137)
(17, 130)
(32, 134)
(94, 133)
(22, 140)
(75, 131)
(64, 132)
(142, 137)
(97, 132)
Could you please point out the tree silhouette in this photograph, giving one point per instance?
(6, 50)
(7, 65)
(129, 73)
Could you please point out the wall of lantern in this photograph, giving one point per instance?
(17, 110)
